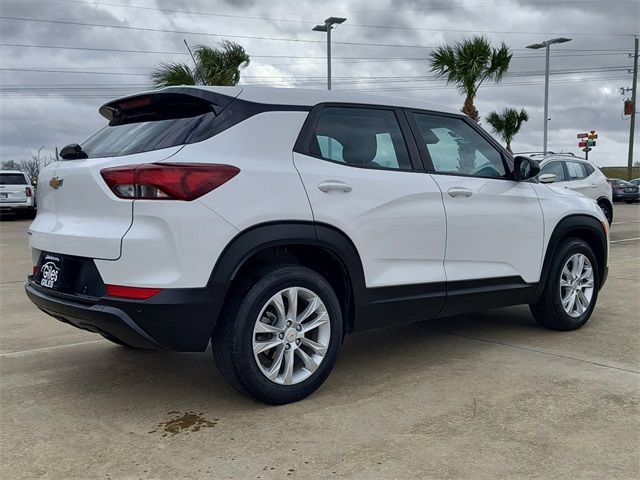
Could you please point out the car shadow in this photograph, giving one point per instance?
(147, 378)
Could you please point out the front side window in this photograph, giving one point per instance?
(554, 168)
(456, 148)
(575, 171)
(363, 137)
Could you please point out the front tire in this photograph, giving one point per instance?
(278, 338)
(607, 209)
(571, 289)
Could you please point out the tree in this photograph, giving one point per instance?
(214, 66)
(507, 124)
(10, 165)
(35, 164)
(467, 64)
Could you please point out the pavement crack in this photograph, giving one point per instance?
(535, 350)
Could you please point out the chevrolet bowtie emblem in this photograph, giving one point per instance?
(55, 183)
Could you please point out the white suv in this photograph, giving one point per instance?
(576, 174)
(16, 193)
(272, 222)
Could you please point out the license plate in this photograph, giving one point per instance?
(4, 195)
(50, 271)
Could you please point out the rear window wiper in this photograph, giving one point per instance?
(73, 151)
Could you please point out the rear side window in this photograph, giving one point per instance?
(12, 179)
(363, 137)
(588, 168)
(554, 168)
(575, 171)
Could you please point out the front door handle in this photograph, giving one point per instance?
(459, 192)
(334, 185)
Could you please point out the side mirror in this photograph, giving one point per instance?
(547, 178)
(525, 168)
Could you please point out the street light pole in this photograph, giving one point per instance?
(634, 96)
(547, 46)
(329, 24)
(546, 97)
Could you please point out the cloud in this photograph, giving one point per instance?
(53, 108)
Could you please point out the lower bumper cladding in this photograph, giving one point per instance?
(174, 319)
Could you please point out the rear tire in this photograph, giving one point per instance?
(567, 300)
(268, 310)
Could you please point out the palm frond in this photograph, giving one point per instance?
(172, 73)
(221, 66)
(507, 124)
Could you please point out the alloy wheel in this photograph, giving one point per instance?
(576, 285)
(291, 336)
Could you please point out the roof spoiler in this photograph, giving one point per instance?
(170, 102)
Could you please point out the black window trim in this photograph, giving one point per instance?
(507, 159)
(305, 137)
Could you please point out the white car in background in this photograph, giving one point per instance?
(16, 193)
(578, 174)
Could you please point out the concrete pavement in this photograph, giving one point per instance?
(483, 396)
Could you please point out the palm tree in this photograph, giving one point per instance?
(467, 64)
(214, 66)
(507, 124)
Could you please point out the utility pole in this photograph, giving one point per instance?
(632, 125)
(329, 24)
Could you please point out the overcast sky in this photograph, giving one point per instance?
(50, 96)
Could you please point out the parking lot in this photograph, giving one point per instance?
(490, 395)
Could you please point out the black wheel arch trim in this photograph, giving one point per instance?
(259, 237)
(563, 229)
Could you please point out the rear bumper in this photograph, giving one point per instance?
(635, 196)
(175, 319)
(7, 207)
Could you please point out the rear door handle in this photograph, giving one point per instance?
(334, 185)
(459, 192)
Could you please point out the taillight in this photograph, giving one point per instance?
(28, 192)
(167, 181)
(131, 293)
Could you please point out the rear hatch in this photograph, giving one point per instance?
(77, 212)
(13, 187)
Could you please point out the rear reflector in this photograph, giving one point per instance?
(167, 181)
(131, 293)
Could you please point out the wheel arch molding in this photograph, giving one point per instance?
(319, 246)
(585, 228)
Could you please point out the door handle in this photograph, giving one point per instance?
(334, 185)
(459, 192)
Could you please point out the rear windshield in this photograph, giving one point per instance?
(12, 179)
(152, 122)
(130, 138)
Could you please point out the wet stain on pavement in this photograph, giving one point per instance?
(184, 423)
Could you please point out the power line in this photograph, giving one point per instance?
(301, 40)
(186, 32)
(390, 27)
(586, 52)
(611, 68)
(377, 89)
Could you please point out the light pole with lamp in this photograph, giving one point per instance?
(329, 24)
(535, 46)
